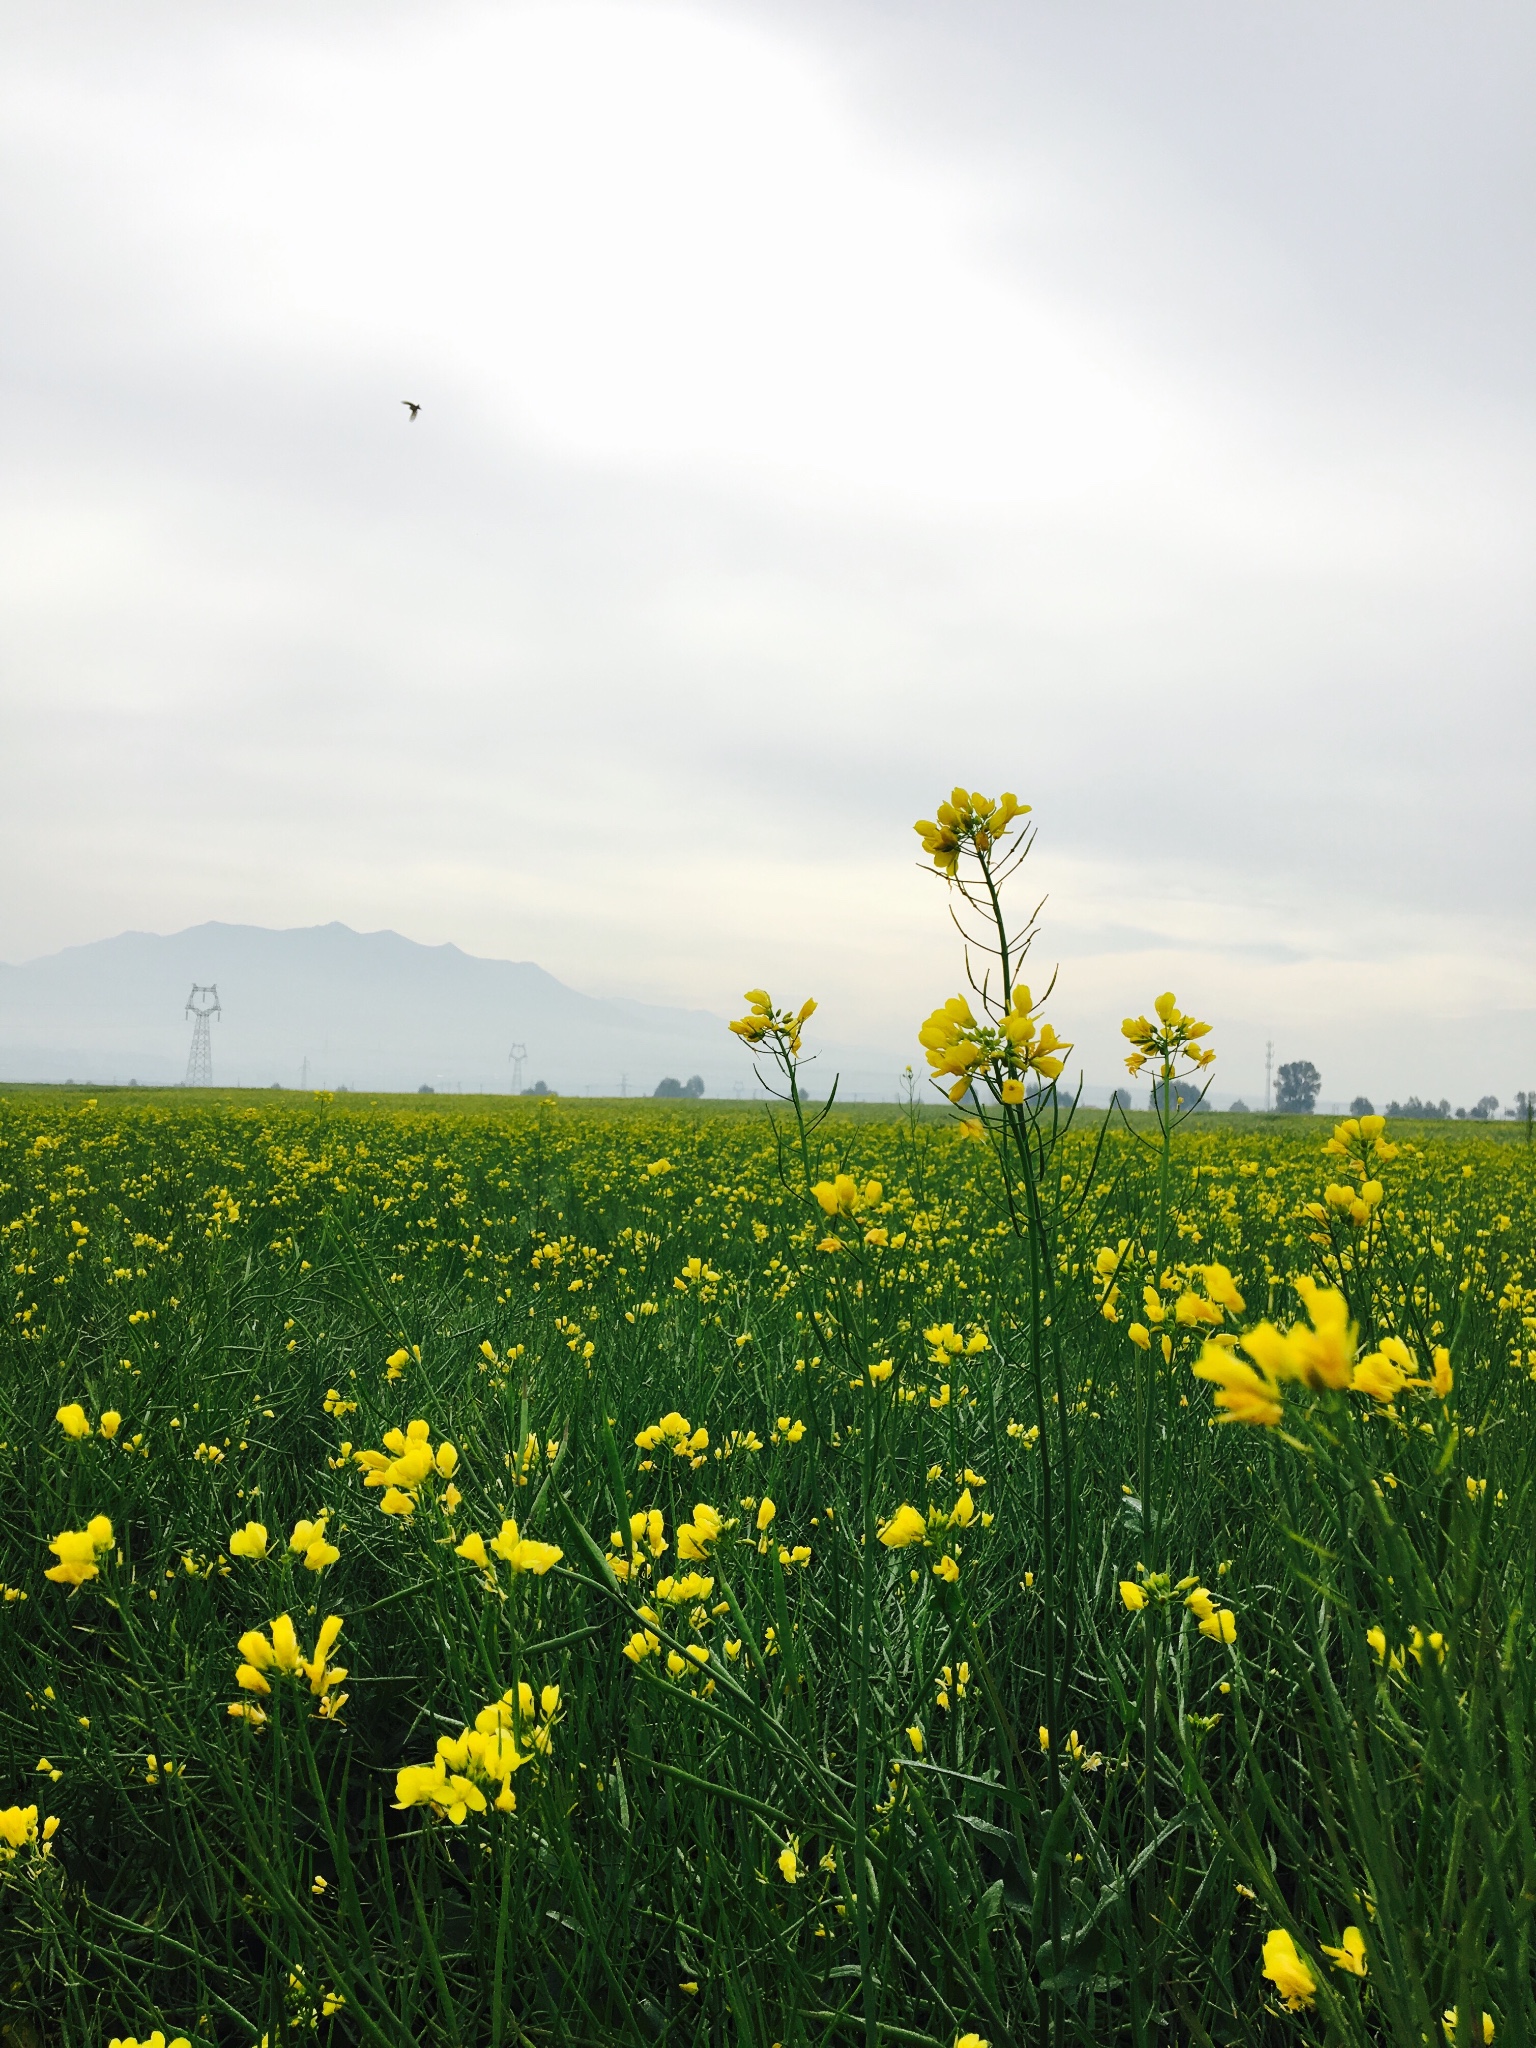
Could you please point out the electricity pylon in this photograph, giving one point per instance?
(517, 1055)
(200, 1059)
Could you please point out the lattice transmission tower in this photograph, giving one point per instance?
(200, 1059)
(517, 1055)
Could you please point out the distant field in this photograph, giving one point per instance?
(798, 1769)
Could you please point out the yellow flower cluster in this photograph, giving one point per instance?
(405, 1463)
(844, 1196)
(909, 1525)
(1320, 1355)
(20, 1829)
(1155, 1589)
(483, 1758)
(1191, 1311)
(679, 1435)
(522, 1553)
(74, 1421)
(281, 1653)
(647, 1531)
(77, 1551)
(1169, 1040)
(969, 819)
(779, 1029)
(962, 1049)
(1358, 1141)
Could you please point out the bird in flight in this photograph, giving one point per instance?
(412, 405)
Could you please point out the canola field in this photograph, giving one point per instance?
(501, 1572)
(685, 1676)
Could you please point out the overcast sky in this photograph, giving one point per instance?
(1129, 405)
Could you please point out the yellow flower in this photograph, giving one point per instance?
(1350, 1954)
(1169, 1040)
(1448, 2020)
(1222, 1288)
(789, 1861)
(692, 1586)
(906, 1526)
(1376, 1375)
(111, 1423)
(947, 1569)
(77, 1551)
(522, 1553)
(971, 2041)
(779, 1029)
(1189, 1310)
(251, 1541)
(1245, 1395)
(1220, 1626)
(958, 1046)
(765, 1513)
(1443, 1379)
(969, 819)
(1133, 1595)
(281, 1651)
(844, 1197)
(1324, 1355)
(647, 1529)
(695, 1537)
(72, 1419)
(1287, 1972)
(917, 1739)
(19, 1829)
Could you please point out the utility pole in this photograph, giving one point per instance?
(304, 1073)
(517, 1055)
(1269, 1062)
(200, 1059)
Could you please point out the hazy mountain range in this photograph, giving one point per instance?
(328, 1007)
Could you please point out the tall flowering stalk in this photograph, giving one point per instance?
(996, 1057)
(1168, 1042)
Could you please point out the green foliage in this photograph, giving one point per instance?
(232, 1274)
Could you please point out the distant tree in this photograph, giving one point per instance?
(670, 1089)
(1525, 1110)
(1121, 1099)
(1237, 1109)
(1485, 1107)
(1413, 1107)
(1296, 1087)
(539, 1088)
(694, 1086)
(426, 1088)
(1362, 1106)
